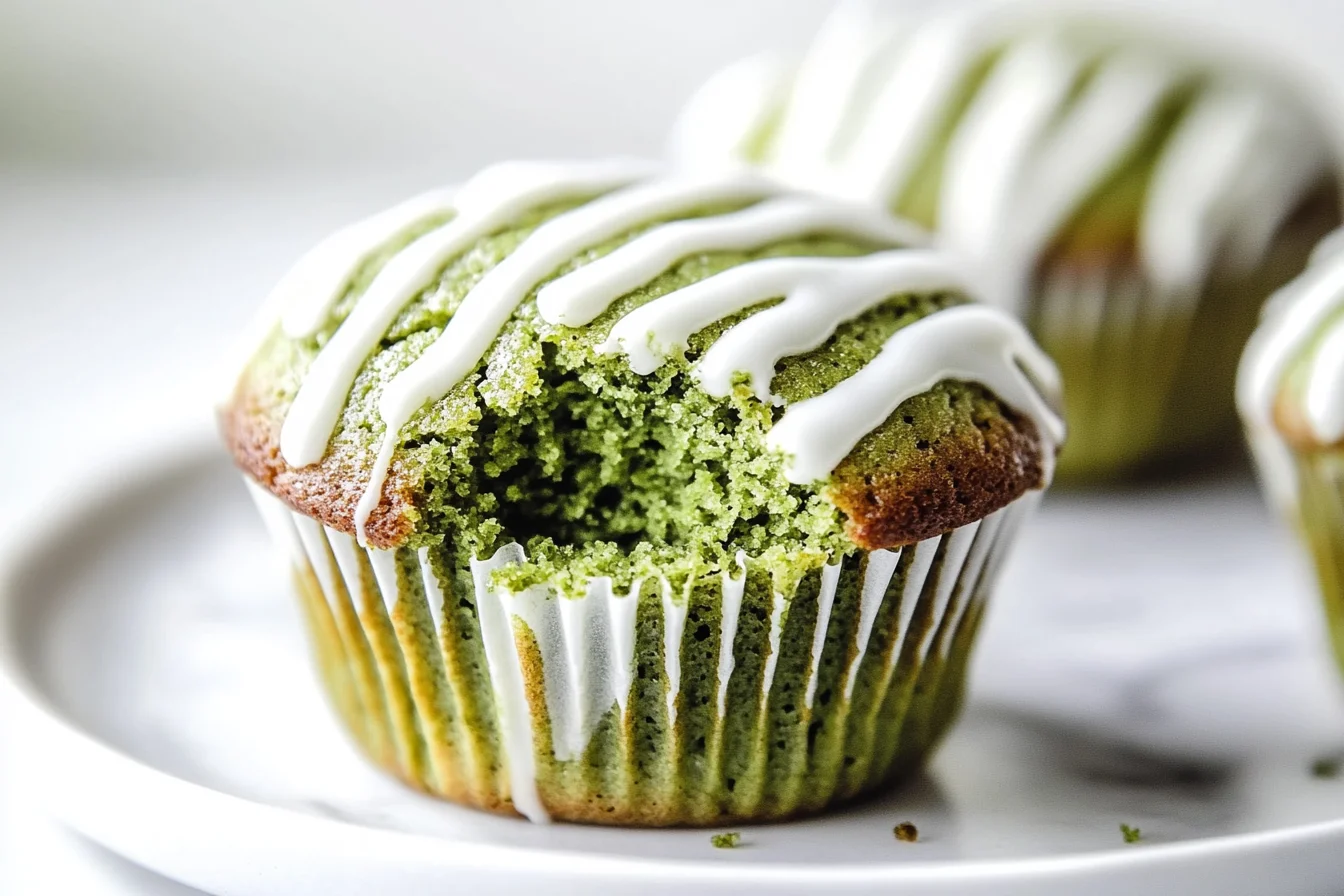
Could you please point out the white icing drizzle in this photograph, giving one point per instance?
(729, 612)
(511, 707)
(1059, 110)
(967, 342)
(779, 604)
(318, 280)
(839, 63)
(818, 294)
(577, 298)
(486, 203)
(1104, 125)
(1306, 315)
(674, 626)
(493, 300)
(998, 138)
(730, 109)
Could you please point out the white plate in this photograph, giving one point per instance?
(1153, 659)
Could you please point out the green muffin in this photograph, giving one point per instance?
(1290, 391)
(1132, 196)
(632, 499)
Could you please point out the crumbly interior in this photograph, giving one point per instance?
(598, 470)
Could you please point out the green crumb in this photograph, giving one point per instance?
(598, 471)
(1131, 834)
(728, 840)
(906, 832)
(1326, 767)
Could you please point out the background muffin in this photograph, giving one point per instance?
(641, 500)
(1291, 395)
(1132, 197)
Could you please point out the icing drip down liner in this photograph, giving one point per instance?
(727, 702)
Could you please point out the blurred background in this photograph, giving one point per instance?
(162, 162)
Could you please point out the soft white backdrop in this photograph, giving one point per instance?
(161, 161)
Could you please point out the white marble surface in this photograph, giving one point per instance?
(1152, 657)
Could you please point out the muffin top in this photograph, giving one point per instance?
(1020, 129)
(626, 371)
(1290, 388)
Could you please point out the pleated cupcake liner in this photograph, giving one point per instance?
(1148, 374)
(723, 702)
(1319, 505)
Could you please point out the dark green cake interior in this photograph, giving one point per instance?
(598, 470)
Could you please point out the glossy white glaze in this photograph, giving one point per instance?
(1068, 100)
(818, 295)
(1305, 316)
(967, 342)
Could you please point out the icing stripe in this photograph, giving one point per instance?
(1104, 125)
(966, 342)
(995, 144)
(1029, 149)
(838, 64)
(900, 125)
(489, 305)
(730, 110)
(501, 653)
(484, 204)
(815, 304)
(818, 294)
(674, 626)
(318, 280)
(577, 298)
(729, 611)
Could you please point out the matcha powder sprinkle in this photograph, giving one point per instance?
(906, 832)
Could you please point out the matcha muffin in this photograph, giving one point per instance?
(1133, 198)
(625, 498)
(1291, 395)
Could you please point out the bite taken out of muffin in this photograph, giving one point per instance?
(1132, 191)
(618, 496)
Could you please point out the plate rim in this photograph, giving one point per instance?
(137, 466)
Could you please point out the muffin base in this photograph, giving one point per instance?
(728, 703)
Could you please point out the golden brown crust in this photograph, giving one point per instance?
(967, 477)
(328, 491)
